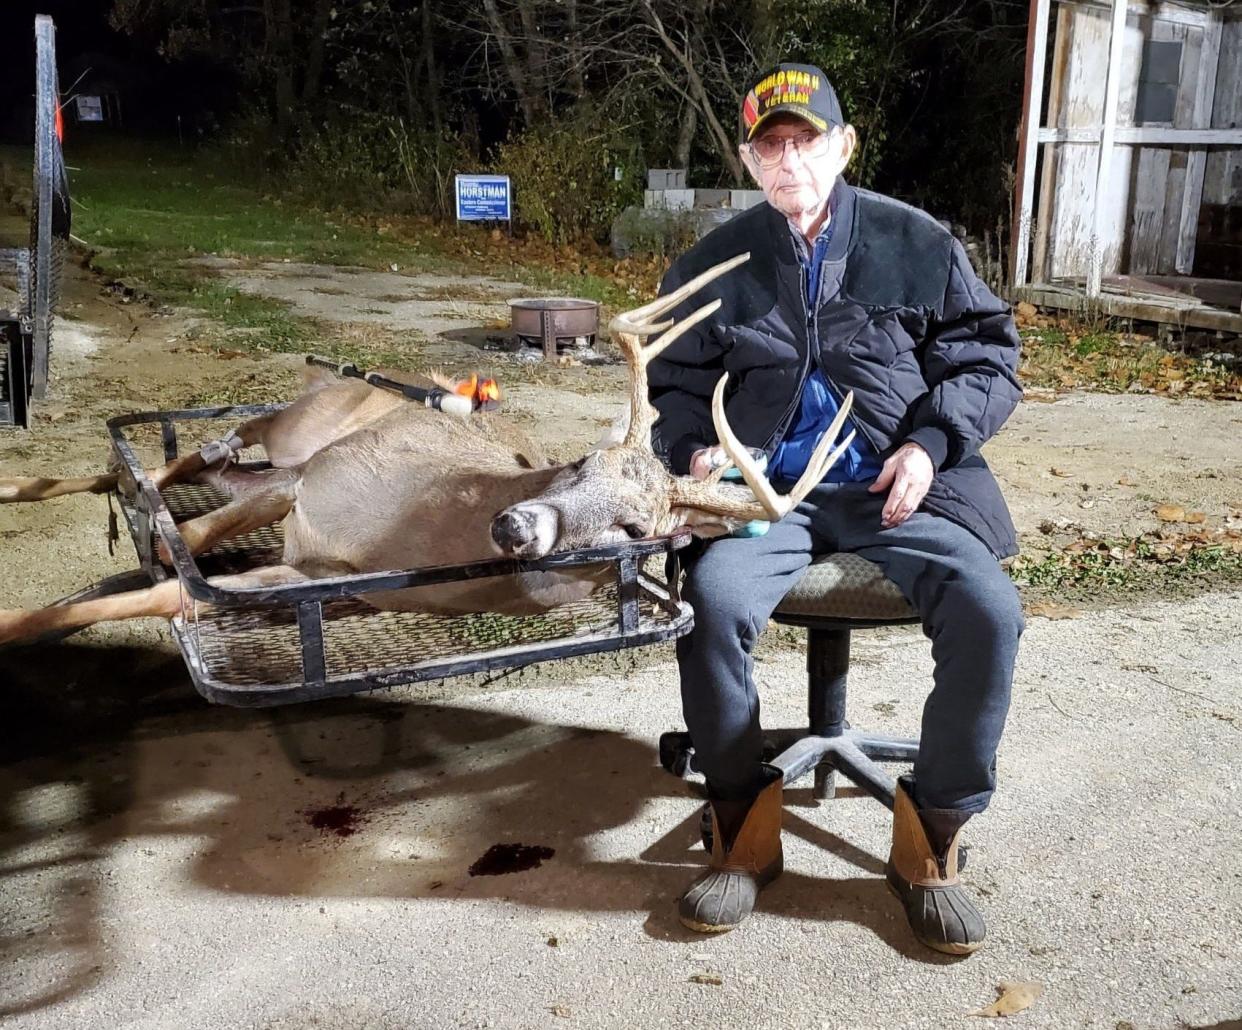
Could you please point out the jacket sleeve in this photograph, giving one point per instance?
(680, 384)
(970, 363)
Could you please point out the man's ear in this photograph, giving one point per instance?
(849, 143)
(748, 159)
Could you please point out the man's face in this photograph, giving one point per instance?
(795, 165)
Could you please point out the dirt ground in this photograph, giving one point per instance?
(162, 866)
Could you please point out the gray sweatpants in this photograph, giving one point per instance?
(969, 608)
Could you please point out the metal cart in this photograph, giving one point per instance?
(26, 334)
(258, 646)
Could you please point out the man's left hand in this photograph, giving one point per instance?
(909, 472)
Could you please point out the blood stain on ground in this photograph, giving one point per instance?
(510, 858)
(343, 820)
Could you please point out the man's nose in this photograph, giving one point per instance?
(791, 157)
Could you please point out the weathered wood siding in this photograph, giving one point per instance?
(1222, 182)
(1144, 198)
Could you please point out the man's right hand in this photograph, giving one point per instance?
(704, 461)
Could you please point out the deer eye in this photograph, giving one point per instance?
(634, 531)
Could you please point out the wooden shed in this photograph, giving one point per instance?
(1129, 185)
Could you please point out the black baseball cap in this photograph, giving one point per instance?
(799, 89)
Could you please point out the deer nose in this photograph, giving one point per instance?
(512, 529)
(525, 530)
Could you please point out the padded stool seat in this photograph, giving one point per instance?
(844, 586)
(838, 593)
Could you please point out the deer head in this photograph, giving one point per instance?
(624, 492)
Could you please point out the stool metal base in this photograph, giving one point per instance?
(830, 745)
(854, 754)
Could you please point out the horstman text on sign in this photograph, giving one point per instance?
(484, 198)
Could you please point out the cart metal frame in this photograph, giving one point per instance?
(641, 609)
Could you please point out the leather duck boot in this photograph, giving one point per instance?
(746, 857)
(922, 872)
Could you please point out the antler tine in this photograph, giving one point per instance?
(821, 460)
(774, 504)
(630, 326)
(642, 415)
(638, 321)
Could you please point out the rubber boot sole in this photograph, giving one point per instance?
(944, 947)
(761, 881)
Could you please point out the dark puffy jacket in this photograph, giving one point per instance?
(902, 320)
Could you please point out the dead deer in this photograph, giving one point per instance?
(413, 488)
(328, 409)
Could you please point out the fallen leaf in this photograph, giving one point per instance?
(1060, 472)
(1171, 513)
(706, 978)
(562, 1011)
(1051, 610)
(553, 942)
(1014, 997)
(1126, 481)
(1039, 394)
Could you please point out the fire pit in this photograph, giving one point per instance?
(555, 323)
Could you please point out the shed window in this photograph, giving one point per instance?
(1158, 80)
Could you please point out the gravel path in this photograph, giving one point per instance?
(161, 868)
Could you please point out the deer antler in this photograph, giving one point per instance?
(631, 326)
(770, 505)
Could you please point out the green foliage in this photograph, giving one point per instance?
(1129, 564)
(647, 231)
(563, 180)
(852, 40)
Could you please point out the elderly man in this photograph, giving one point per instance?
(846, 290)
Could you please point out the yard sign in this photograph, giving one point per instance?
(484, 198)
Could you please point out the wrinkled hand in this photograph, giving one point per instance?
(702, 462)
(909, 472)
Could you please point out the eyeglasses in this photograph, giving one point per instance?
(770, 150)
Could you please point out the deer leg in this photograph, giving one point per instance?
(187, 466)
(38, 488)
(239, 483)
(162, 600)
(253, 511)
(14, 489)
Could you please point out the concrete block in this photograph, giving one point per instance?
(668, 200)
(742, 199)
(711, 198)
(666, 178)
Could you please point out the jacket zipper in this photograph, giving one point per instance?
(813, 349)
(782, 424)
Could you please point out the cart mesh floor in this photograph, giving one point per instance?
(253, 655)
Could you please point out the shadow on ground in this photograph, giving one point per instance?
(366, 797)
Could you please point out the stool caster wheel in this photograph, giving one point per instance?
(676, 753)
(825, 788)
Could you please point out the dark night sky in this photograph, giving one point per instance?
(155, 92)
